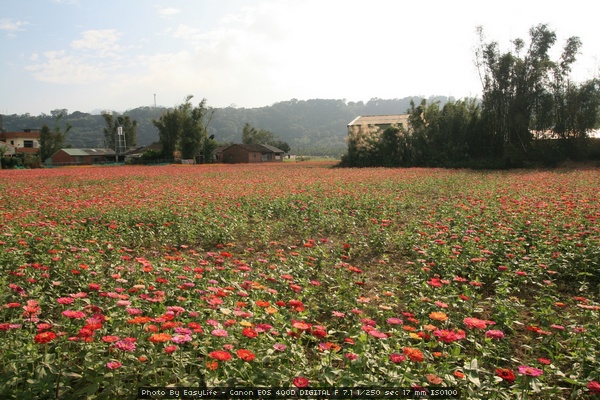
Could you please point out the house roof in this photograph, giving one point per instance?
(272, 148)
(141, 150)
(257, 148)
(89, 152)
(380, 120)
(19, 135)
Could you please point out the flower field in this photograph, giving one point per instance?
(299, 274)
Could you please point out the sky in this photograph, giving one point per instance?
(90, 55)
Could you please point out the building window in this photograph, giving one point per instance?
(28, 143)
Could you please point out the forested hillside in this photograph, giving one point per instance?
(311, 127)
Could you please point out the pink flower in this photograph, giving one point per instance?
(397, 358)
(125, 345)
(279, 346)
(494, 334)
(73, 314)
(220, 333)
(181, 339)
(474, 323)
(531, 371)
(394, 321)
(113, 365)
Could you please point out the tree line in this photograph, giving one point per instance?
(531, 111)
(315, 127)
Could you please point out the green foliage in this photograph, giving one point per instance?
(52, 140)
(184, 128)
(113, 122)
(527, 100)
(251, 135)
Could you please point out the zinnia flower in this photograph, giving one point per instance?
(73, 314)
(113, 365)
(160, 338)
(44, 337)
(220, 355)
(246, 355)
(506, 374)
(414, 354)
(494, 334)
(531, 371)
(397, 358)
(474, 323)
(300, 382)
(171, 349)
(438, 316)
(594, 386)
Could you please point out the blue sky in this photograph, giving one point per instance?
(86, 55)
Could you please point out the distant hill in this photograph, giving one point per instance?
(311, 127)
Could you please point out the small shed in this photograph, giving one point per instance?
(82, 157)
(251, 153)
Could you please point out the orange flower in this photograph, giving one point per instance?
(436, 380)
(438, 316)
(139, 320)
(414, 354)
(246, 355)
(160, 338)
(459, 374)
(212, 365)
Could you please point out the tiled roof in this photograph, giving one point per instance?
(89, 152)
(19, 135)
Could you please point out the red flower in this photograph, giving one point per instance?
(44, 337)
(506, 374)
(397, 358)
(594, 387)
(300, 382)
(249, 332)
(220, 355)
(246, 355)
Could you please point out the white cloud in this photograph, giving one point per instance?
(10, 25)
(104, 42)
(168, 11)
(61, 68)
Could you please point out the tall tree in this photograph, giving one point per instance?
(251, 135)
(517, 94)
(52, 140)
(184, 128)
(168, 132)
(194, 122)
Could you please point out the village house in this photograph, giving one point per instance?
(26, 142)
(81, 157)
(249, 153)
(376, 123)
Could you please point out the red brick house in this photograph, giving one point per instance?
(251, 153)
(81, 157)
